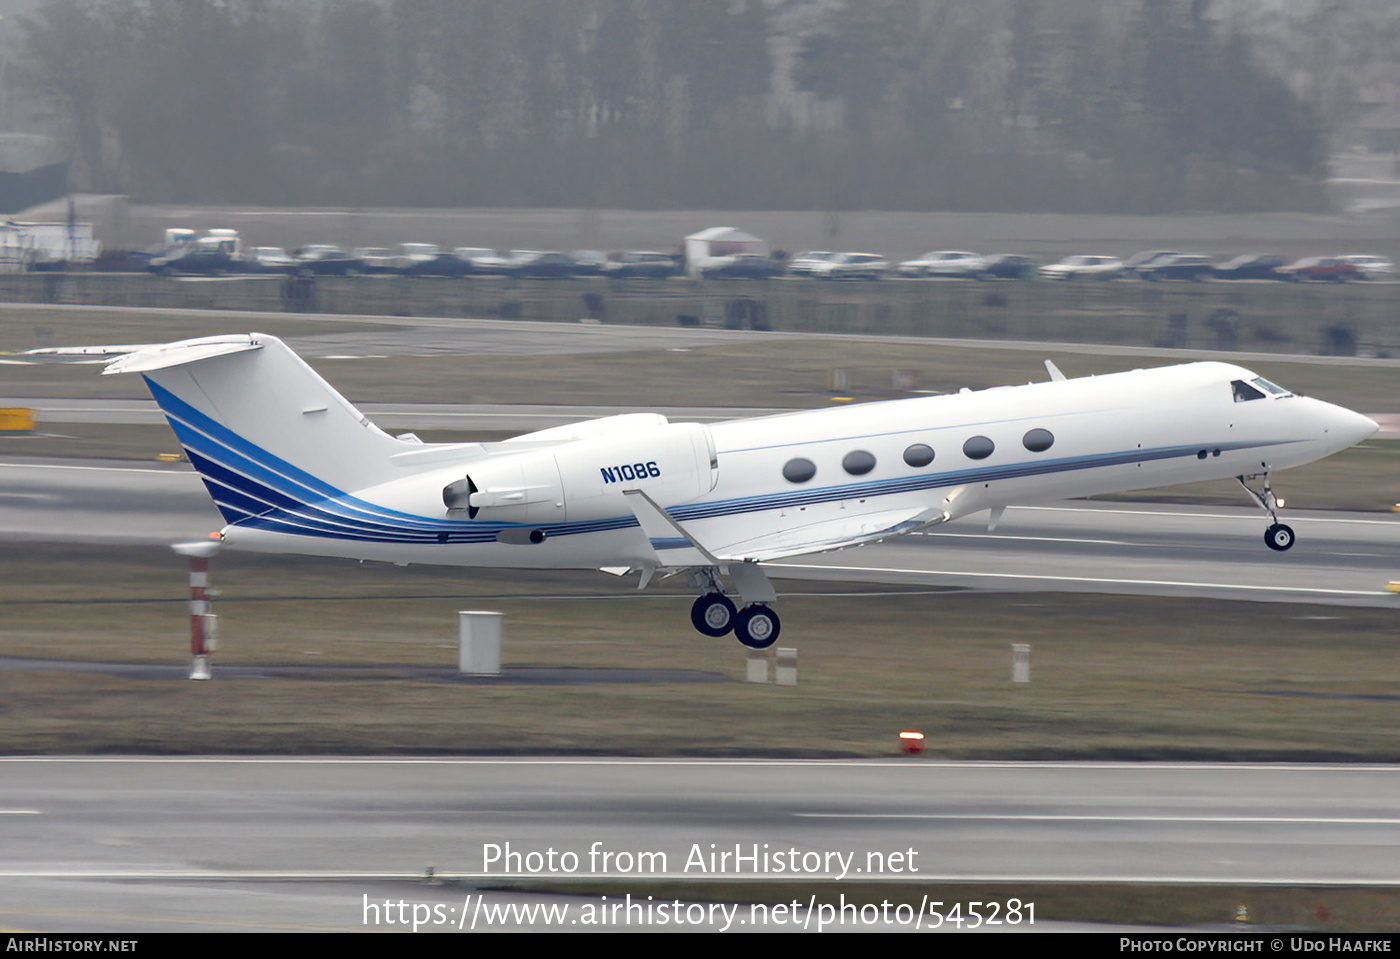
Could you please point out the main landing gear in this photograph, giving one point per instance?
(1278, 536)
(714, 614)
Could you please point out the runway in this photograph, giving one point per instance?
(255, 823)
(1138, 549)
(328, 818)
(1147, 549)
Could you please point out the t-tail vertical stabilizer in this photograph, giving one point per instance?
(263, 429)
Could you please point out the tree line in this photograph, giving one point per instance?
(1025, 105)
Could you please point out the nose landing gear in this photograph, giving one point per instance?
(1278, 536)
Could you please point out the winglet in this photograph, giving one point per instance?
(1054, 371)
(672, 544)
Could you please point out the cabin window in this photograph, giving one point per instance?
(978, 448)
(1038, 440)
(918, 455)
(1244, 392)
(799, 470)
(858, 462)
(1268, 387)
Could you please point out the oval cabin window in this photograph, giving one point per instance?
(978, 448)
(799, 470)
(918, 455)
(1038, 440)
(858, 462)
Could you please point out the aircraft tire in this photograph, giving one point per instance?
(757, 626)
(1279, 537)
(712, 614)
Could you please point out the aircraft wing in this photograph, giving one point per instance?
(830, 534)
(676, 546)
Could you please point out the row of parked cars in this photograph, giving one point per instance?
(221, 251)
(1149, 265)
(217, 254)
(1195, 267)
(426, 259)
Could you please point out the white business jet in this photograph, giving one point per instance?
(294, 467)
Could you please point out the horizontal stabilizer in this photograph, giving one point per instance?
(166, 355)
(81, 354)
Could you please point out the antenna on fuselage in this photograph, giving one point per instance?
(1055, 375)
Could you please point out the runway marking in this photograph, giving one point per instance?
(1244, 515)
(20, 812)
(1032, 817)
(999, 537)
(469, 875)
(1037, 539)
(1043, 577)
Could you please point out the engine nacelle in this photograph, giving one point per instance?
(584, 479)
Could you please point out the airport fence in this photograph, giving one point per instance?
(1357, 318)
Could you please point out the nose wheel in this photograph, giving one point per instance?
(1278, 537)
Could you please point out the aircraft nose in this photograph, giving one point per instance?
(1348, 428)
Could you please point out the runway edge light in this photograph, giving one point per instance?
(911, 741)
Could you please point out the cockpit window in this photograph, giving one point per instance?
(1268, 387)
(1244, 392)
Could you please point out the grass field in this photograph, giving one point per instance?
(1113, 677)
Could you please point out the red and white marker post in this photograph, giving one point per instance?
(202, 640)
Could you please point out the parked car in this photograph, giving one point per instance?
(1250, 266)
(943, 263)
(545, 265)
(411, 256)
(1138, 260)
(641, 263)
(205, 261)
(1331, 268)
(268, 259)
(372, 259)
(852, 266)
(323, 259)
(1086, 266)
(1178, 266)
(589, 262)
(741, 266)
(803, 263)
(485, 261)
(1371, 267)
(218, 251)
(1008, 266)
